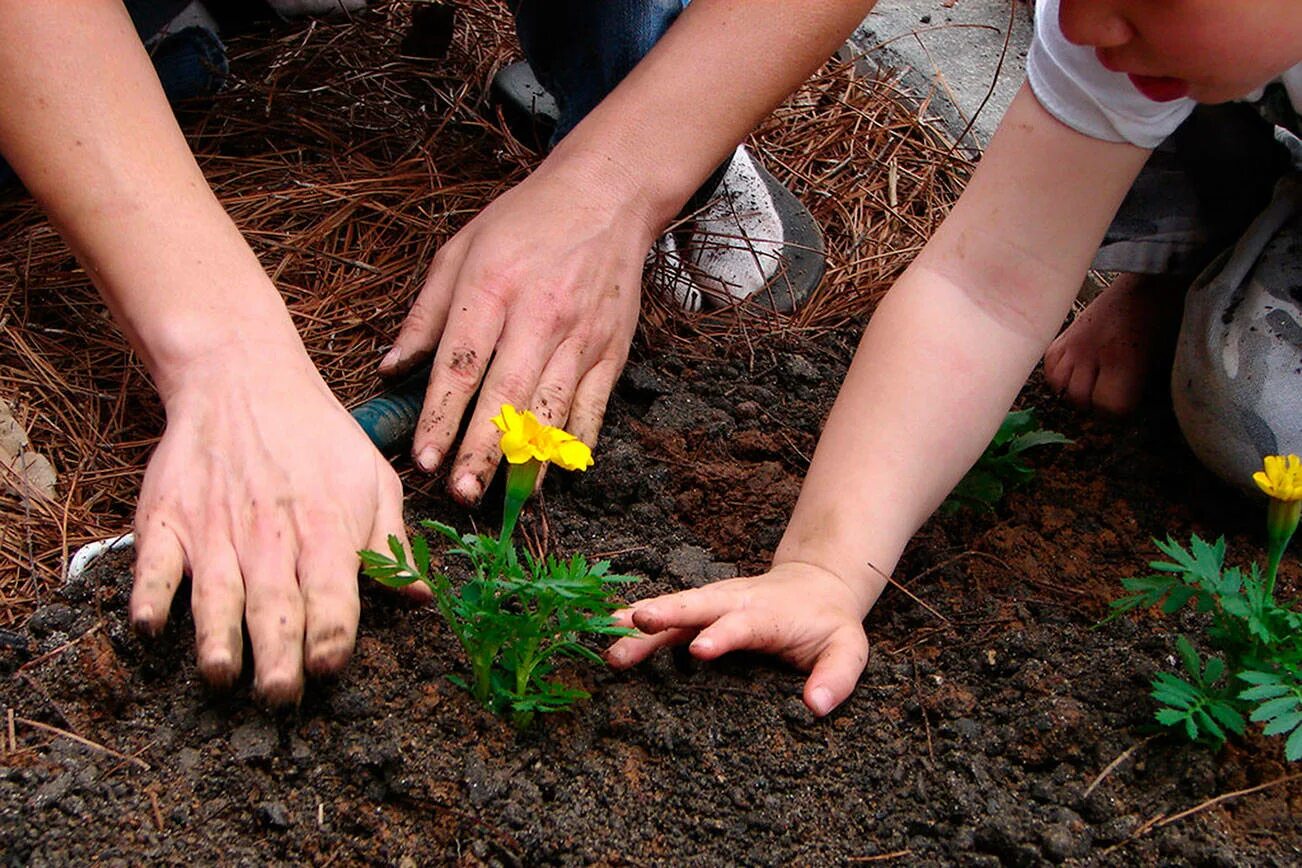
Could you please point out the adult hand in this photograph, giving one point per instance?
(804, 614)
(263, 489)
(537, 298)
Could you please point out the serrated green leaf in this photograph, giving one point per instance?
(1228, 716)
(1264, 691)
(1254, 677)
(1293, 747)
(1284, 723)
(1207, 725)
(1214, 670)
(1170, 716)
(1274, 707)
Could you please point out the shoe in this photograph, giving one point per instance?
(530, 112)
(751, 241)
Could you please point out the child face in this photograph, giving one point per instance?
(1210, 50)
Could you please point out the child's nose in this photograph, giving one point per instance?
(1096, 23)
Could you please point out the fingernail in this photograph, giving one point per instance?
(428, 459)
(467, 488)
(703, 645)
(821, 699)
(143, 621)
(392, 358)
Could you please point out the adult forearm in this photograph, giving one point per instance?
(721, 67)
(87, 127)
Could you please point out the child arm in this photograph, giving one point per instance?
(941, 360)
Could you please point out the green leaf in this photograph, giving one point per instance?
(1265, 691)
(1170, 716)
(1284, 723)
(1189, 657)
(1274, 707)
(1254, 677)
(1228, 716)
(1293, 747)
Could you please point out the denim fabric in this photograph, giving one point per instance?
(581, 49)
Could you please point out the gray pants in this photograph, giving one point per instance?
(1221, 201)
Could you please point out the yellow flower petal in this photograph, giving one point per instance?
(571, 453)
(525, 439)
(1281, 478)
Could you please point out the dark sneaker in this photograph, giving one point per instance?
(530, 112)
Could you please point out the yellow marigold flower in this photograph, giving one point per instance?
(1282, 477)
(526, 439)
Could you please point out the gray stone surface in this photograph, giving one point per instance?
(949, 50)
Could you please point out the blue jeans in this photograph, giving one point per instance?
(581, 49)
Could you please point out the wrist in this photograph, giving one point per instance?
(865, 579)
(617, 180)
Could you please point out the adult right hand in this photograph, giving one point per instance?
(263, 488)
(537, 298)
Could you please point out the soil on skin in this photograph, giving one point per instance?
(991, 703)
(973, 737)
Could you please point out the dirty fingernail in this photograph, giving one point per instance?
(467, 488)
(428, 459)
(392, 358)
(704, 646)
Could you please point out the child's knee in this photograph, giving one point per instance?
(1237, 380)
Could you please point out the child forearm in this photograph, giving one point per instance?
(953, 341)
(930, 382)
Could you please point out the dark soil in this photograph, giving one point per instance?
(972, 738)
(981, 721)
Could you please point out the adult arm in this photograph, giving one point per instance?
(546, 281)
(941, 360)
(262, 487)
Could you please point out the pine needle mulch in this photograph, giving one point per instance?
(346, 165)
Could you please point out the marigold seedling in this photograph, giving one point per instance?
(1001, 467)
(1259, 639)
(515, 616)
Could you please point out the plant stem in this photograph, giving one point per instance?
(1281, 521)
(520, 480)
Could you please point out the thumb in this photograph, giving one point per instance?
(836, 671)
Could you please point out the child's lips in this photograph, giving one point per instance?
(1160, 88)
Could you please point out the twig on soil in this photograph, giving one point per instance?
(907, 592)
(63, 733)
(880, 857)
(922, 707)
(1107, 770)
(36, 661)
(1216, 800)
(152, 790)
(1160, 820)
(13, 736)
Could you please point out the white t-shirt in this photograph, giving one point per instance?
(1075, 88)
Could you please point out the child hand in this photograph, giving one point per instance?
(806, 615)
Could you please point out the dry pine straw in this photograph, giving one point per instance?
(346, 166)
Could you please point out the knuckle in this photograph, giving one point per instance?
(462, 368)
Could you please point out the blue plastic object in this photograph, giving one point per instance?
(390, 419)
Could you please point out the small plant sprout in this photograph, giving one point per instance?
(516, 614)
(1258, 639)
(1001, 466)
